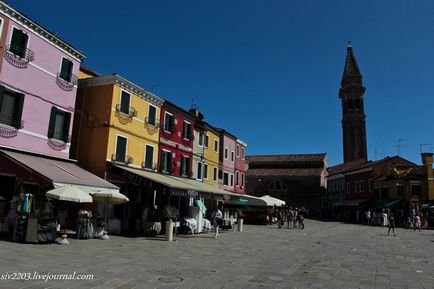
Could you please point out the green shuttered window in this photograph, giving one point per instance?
(11, 107)
(66, 69)
(58, 127)
(121, 149)
(19, 41)
(149, 157)
(151, 115)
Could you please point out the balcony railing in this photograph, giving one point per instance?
(154, 166)
(19, 56)
(152, 123)
(58, 141)
(11, 121)
(122, 159)
(66, 82)
(132, 112)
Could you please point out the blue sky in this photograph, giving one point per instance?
(267, 71)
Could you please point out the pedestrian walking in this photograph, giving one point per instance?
(295, 218)
(279, 219)
(300, 220)
(216, 218)
(391, 225)
(368, 217)
(290, 218)
(417, 222)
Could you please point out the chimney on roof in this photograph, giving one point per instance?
(196, 113)
(427, 160)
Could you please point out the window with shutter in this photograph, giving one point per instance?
(18, 45)
(199, 171)
(151, 115)
(121, 149)
(205, 171)
(149, 156)
(66, 70)
(11, 107)
(125, 102)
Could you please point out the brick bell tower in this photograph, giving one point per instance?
(353, 112)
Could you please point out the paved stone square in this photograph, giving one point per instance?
(324, 255)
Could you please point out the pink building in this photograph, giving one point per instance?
(227, 160)
(240, 167)
(38, 83)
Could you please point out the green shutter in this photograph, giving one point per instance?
(187, 165)
(125, 102)
(70, 67)
(151, 116)
(52, 122)
(66, 123)
(121, 146)
(169, 162)
(182, 165)
(18, 110)
(16, 42)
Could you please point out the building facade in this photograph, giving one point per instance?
(176, 141)
(38, 86)
(119, 123)
(206, 149)
(240, 167)
(299, 180)
(227, 160)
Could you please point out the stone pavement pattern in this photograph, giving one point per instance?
(324, 255)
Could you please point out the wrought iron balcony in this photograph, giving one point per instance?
(59, 140)
(66, 82)
(154, 166)
(132, 112)
(11, 121)
(153, 122)
(122, 159)
(19, 56)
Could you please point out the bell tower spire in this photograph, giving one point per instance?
(353, 113)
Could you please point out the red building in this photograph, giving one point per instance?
(360, 181)
(176, 141)
(241, 167)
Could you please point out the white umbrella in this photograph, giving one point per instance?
(70, 194)
(271, 202)
(109, 196)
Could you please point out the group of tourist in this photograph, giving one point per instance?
(294, 218)
(389, 219)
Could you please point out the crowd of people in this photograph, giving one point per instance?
(294, 218)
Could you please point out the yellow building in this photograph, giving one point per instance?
(117, 122)
(211, 155)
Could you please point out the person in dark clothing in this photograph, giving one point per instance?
(391, 224)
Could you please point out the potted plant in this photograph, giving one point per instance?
(240, 220)
(170, 213)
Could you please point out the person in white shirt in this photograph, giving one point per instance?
(216, 218)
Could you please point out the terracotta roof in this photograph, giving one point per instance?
(287, 158)
(298, 172)
(345, 166)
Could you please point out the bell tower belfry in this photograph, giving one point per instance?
(353, 112)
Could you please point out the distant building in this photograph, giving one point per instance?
(241, 167)
(176, 141)
(299, 180)
(206, 148)
(227, 160)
